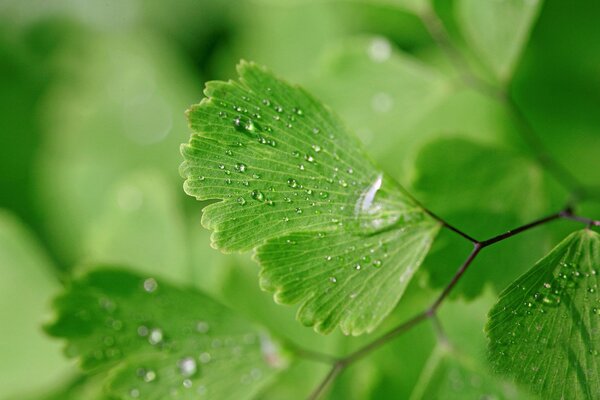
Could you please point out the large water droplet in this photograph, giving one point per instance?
(187, 366)
(150, 285)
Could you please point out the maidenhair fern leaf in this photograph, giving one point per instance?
(160, 341)
(333, 232)
(543, 331)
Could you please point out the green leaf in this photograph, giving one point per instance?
(472, 186)
(114, 96)
(28, 359)
(158, 340)
(450, 375)
(497, 30)
(288, 171)
(543, 330)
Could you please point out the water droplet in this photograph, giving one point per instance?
(328, 258)
(257, 195)
(379, 50)
(382, 102)
(301, 166)
(377, 263)
(241, 201)
(221, 166)
(316, 148)
(202, 327)
(298, 211)
(357, 267)
(150, 285)
(143, 330)
(187, 383)
(240, 167)
(134, 393)
(296, 153)
(316, 130)
(266, 102)
(332, 279)
(205, 357)
(187, 366)
(228, 152)
(292, 183)
(155, 337)
(201, 178)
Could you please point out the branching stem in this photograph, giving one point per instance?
(577, 192)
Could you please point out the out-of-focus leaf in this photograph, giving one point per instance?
(450, 375)
(473, 187)
(115, 108)
(159, 340)
(142, 227)
(543, 330)
(28, 358)
(497, 30)
(386, 92)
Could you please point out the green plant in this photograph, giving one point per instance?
(381, 255)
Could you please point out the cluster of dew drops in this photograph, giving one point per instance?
(550, 296)
(250, 122)
(187, 367)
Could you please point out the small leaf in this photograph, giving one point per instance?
(450, 375)
(288, 171)
(26, 287)
(158, 340)
(543, 332)
(498, 30)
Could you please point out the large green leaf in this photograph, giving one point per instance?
(497, 30)
(25, 290)
(159, 340)
(288, 171)
(543, 332)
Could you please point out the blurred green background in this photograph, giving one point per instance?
(92, 101)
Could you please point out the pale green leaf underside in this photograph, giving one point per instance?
(498, 30)
(450, 375)
(285, 166)
(544, 330)
(160, 341)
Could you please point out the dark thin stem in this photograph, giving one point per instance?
(403, 327)
(447, 225)
(588, 221)
(333, 373)
(520, 229)
(459, 273)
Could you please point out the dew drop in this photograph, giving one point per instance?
(240, 167)
(187, 383)
(241, 201)
(202, 327)
(257, 195)
(155, 336)
(379, 50)
(150, 285)
(332, 279)
(292, 183)
(187, 366)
